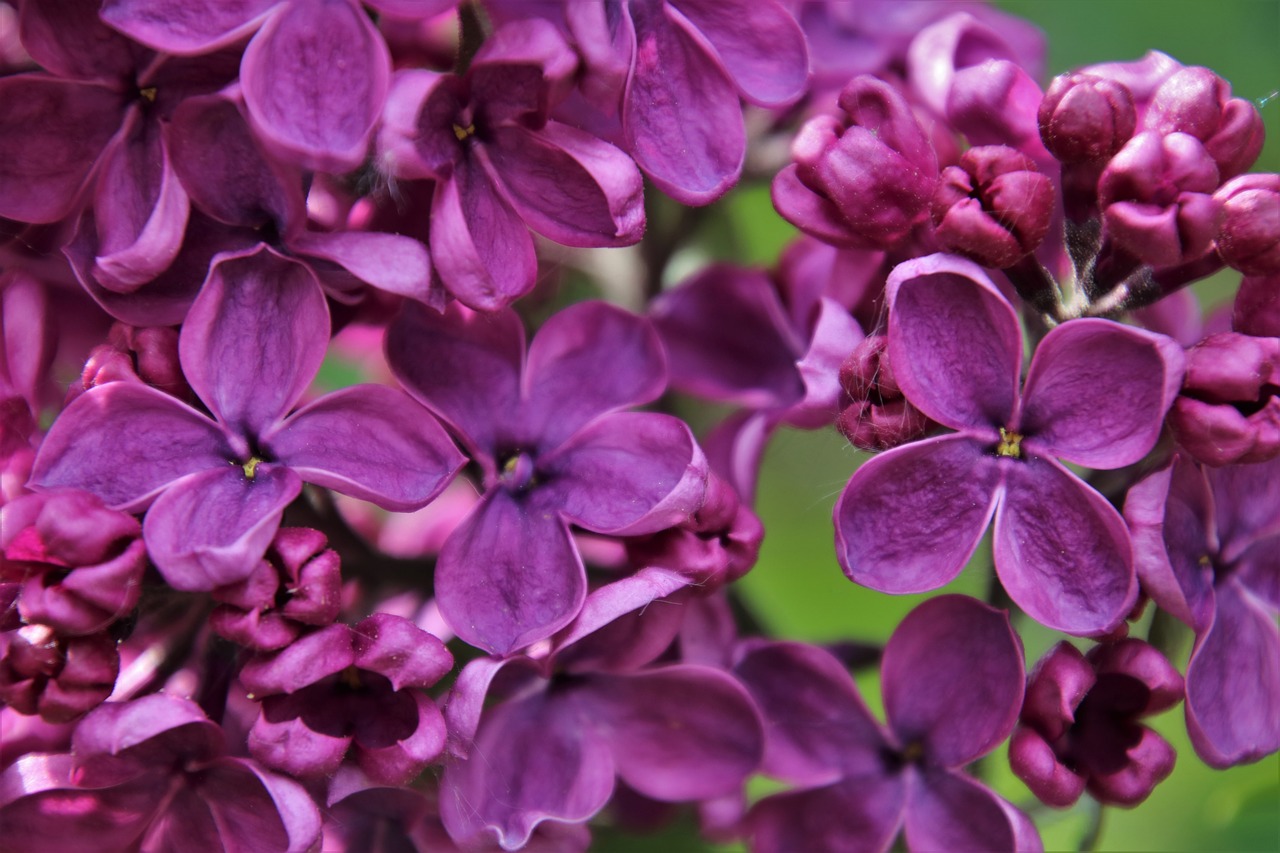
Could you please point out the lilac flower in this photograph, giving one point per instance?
(216, 486)
(1086, 118)
(952, 681)
(152, 774)
(502, 167)
(876, 416)
(1257, 306)
(1207, 541)
(553, 450)
(1096, 393)
(350, 690)
(1079, 725)
(543, 739)
(58, 676)
(1249, 239)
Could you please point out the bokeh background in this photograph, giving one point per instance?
(798, 591)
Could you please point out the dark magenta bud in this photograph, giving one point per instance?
(1197, 101)
(1156, 198)
(876, 415)
(1084, 117)
(1228, 412)
(1249, 239)
(1257, 306)
(145, 354)
(60, 678)
(994, 207)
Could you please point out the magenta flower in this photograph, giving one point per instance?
(1207, 541)
(553, 450)
(1095, 394)
(216, 486)
(952, 681)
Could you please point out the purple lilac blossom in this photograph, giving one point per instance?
(1228, 412)
(952, 680)
(1096, 393)
(553, 450)
(1207, 541)
(216, 486)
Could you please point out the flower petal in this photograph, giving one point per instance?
(258, 303)
(1097, 392)
(1062, 551)
(254, 808)
(589, 359)
(181, 27)
(954, 342)
(327, 443)
(124, 442)
(315, 78)
(910, 518)
(859, 815)
(392, 263)
(211, 529)
(509, 575)
(950, 811)
(953, 679)
(758, 42)
(69, 39)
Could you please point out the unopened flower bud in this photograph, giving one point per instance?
(1249, 239)
(876, 415)
(994, 207)
(1084, 117)
(1198, 102)
(60, 678)
(1228, 411)
(1257, 306)
(145, 354)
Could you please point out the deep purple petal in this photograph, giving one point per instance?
(256, 809)
(954, 342)
(463, 366)
(315, 78)
(817, 728)
(1061, 550)
(482, 250)
(680, 113)
(182, 27)
(141, 209)
(589, 359)
(910, 518)
(534, 759)
(211, 529)
(932, 664)
(395, 648)
(1233, 682)
(124, 442)
(302, 663)
(568, 185)
(950, 811)
(115, 728)
(399, 762)
(509, 575)
(327, 443)
(281, 739)
(682, 732)
(629, 473)
(1097, 392)
(390, 262)
(1247, 506)
(68, 39)
(758, 42)
(859, 815)
(51, 133)
(254, 338)
(37, 792)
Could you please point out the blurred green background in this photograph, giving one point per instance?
(798, 590)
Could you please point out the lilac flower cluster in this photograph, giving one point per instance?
(519, 615)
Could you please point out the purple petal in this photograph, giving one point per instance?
(142, 209)
(613, 602)
(254, 808)
(281, 739)
(463, 366)
(327, 443)
(681, 732)
(680, 112)
(568, 185)
(482, 250)
(68, 39)
(1247, 506)
(37, 791)
(264, 304)
(211, 529)
(932, 665)
(589, 359)
(910, 518)
(315, 78)
(1061, 550)
(399, 650)
(1097, 392)
(950, 811)
(509, 575)
(181, 27)
(629, 473)
(859, 815)
(390, 262)
(124, 442)
(534, 759)
(1233, 682)
(817, 728)
(51, 133)
(954, 342)
(759, 43)
(400, 761)
(302, 663)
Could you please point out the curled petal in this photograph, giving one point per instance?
(400, 761)
(401, 651)
(759, 43)
(392, 263)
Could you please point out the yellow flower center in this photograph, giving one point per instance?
(463, 132)
(251, 467)
(1010, 444)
